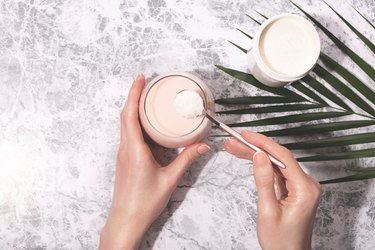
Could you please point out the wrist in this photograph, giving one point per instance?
(122, 234)
(112, 238)
(290, 245)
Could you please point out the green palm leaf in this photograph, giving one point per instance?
(349, 77)
(333, 142)
(262, 15)
(254, 100)
(343, 89)
(363, 153)
(243, 32)
(319, 87)
(359, 34)
(253, 19)
(367, 68)
(290, 119)
(272, 109)
(364, 174)
(319, 128)
(238, 47)
(364, 17)
(308, 92)
(250, 79)
(313, 94)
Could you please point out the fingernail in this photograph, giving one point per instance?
(231, 140)
(203, 149)
(227, 141)
(140, 76)
(245, 132)
(260, 159)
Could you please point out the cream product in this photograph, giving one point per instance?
(188, 104)
(285, 48)
(161, 115)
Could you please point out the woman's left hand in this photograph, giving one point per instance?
(142, 186)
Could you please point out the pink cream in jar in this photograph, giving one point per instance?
(158, 114)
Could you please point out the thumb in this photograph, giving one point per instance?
(264, 181)
(179, 166)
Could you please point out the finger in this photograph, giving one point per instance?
(292, 171)
(238, 149)
(264, 181)
(130, 127)
(296, 179)
(183, 161)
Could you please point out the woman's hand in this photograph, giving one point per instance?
(285, 223)
(142, 186)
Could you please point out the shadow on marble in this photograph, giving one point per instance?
(330, 228)
(342, 198)
(178, 195)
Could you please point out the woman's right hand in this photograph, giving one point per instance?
(285, 223)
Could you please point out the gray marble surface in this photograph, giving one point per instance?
(65, 70)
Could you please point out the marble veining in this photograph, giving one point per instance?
(65, 71)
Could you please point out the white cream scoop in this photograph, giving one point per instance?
(188, 104)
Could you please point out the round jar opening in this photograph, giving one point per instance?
(160, 110)
(289, 46)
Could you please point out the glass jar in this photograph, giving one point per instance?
(159, 118)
